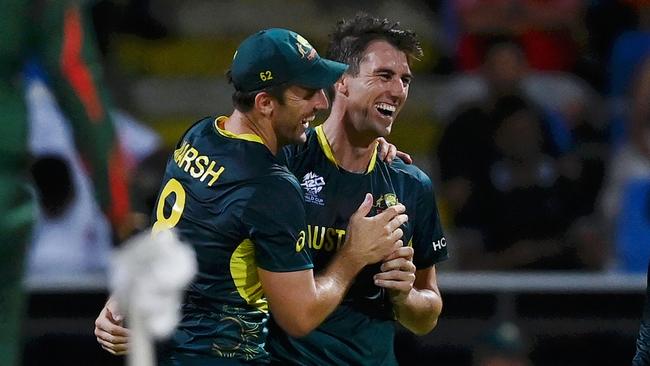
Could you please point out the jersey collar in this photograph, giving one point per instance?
(327, 149)
(219, 121)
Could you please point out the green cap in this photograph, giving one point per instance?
(276, 56)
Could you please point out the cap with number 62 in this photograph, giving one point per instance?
(277, 56)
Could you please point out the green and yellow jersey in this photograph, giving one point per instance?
(240, 208)
(361, 330)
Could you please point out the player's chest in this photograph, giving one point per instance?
(332, 196)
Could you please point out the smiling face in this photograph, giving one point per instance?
(292, 118)
(377, 94)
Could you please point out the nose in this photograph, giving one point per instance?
(398, 88)
(320, 100)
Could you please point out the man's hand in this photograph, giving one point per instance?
(109, 330)
(397, 274)
(371, 239)
(388, 151)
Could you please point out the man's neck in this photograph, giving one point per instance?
(241, 123)
(351, 149)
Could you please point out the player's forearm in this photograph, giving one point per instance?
(419, 311)
(306, 303)
(332, 285)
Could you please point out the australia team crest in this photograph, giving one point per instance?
(385, 201)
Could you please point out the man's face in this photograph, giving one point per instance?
(378, 92)
(519, 137)
(299, 109)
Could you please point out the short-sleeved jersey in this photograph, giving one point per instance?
(240, 208)
(361, 330)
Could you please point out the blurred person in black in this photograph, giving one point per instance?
(568, 128)
(523, 200)
(642, 356)
(565, 134)
(466, 139)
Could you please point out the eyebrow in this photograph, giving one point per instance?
(391, 72)
(310, 92)
(306, 93)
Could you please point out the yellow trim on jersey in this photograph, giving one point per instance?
(373, 159)
(327, 149)
(243, 270)
(244, 136)
(325, 145)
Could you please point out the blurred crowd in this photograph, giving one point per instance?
(538, 111)
(543, 160)
(541, 152)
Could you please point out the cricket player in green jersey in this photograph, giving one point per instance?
(56, 35)
(226, 193)
(336, 167)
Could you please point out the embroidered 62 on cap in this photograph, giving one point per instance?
(276, 56)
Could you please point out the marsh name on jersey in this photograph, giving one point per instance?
(197, 165)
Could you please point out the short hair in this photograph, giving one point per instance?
(351, 38)
(244, 101)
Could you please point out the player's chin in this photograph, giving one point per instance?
(299, 138)
(383, 130)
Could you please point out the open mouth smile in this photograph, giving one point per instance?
(385, 109)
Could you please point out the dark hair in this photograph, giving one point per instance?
(244, 101)
(351, 38)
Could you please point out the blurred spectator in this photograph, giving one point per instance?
(54, 32)
(565, 142)
(503, 345)
(632, 159)
(571, 110)
(548, 30)
(72, 235)
(467, 140)
(465, 148)
(518, 200)
(630, 163)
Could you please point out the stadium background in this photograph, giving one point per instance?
(165, 62)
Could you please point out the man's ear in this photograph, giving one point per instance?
(264, 103)
(341, 85)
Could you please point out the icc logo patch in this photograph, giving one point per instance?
(313, 184)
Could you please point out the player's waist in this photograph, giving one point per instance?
(219, 307)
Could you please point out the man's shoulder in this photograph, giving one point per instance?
(412, 173)
(279, 178)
